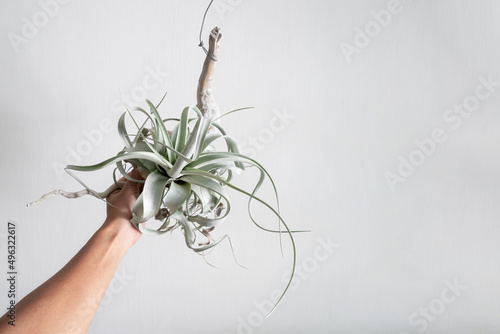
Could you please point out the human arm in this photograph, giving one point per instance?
(68, 301)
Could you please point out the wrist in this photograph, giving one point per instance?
(120, 231)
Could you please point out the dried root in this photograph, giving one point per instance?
(77, 194)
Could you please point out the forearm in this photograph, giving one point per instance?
(67, 302)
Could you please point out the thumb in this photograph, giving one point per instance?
(132, 187)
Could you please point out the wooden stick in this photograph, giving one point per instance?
(205, 99)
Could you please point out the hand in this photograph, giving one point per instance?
(119, 213)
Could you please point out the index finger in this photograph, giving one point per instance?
(133, 176)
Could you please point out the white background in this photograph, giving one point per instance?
(351, 122)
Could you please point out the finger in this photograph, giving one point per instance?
(113, 193)
(132, 186)
(134, 173)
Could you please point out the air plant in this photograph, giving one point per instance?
(185, 177)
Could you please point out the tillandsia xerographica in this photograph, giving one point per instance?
(185, 176)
